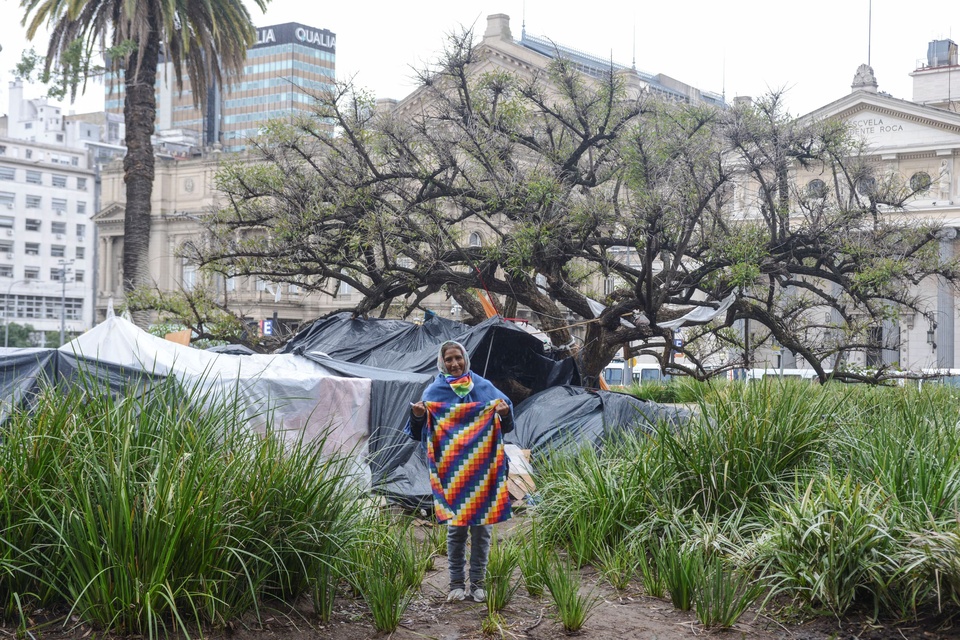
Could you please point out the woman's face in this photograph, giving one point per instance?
(453, 361)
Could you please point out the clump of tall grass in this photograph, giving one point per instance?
(533, 552)
(724, 594)
(681, 570)
(830, 544)
(617, 564)
(501, 565)
(155, 507)
(562, 579)
(386, 566)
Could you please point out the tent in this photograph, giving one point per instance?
(567, 415)
(352, 380)
(505, 354)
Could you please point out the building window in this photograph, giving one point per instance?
(59, 137)
(476, 240)
(920, 182)
(867, 186)
(31, 273)
(6, 246)
(58, 251)
(33, 224)
(6, 199)
(59, 181)
(59, 205)
(80, 253)
(34, 177)
(33, 202)
(55, 274)
(28, 152)
(58, 227)
(6, 173)
(32, 248)
(78, 276)
(81, 207)
(816, 188)
(6, 271)
(81, 230)
(874, 356)
(189, 280)
(81, 184)
(6, 222)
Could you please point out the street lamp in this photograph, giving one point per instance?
(6, 310)
(63, 297)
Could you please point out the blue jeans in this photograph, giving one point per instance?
(457, 551)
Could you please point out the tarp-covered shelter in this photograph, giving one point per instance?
(351, 380)
(566, 415)
(511, 358)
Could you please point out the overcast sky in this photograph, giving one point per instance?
(736, 47)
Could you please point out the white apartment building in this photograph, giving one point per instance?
(47, 197)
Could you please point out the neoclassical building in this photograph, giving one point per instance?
(184, 191)
(918, 142)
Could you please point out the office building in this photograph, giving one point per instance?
(288, 63)
(47, 197)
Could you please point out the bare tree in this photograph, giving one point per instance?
(591, 200)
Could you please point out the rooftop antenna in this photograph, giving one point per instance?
(869, 29)
(523, 22)
(723, 81)
(634, 44)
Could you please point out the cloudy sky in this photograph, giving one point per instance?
(736, 47)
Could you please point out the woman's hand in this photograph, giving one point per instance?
(418, 408)
(502, 408)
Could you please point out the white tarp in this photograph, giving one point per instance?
(300, 395)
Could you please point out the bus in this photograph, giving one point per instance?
(613, 374)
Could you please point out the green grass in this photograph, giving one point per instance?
(836, 497)
(160, 509)
(154, 509)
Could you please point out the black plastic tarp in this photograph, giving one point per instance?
(567, 415)
(508, 356)
(22, 371)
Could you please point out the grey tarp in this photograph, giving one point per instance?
(508, 356)
(398, 465)
(573, 415)
(21, 372)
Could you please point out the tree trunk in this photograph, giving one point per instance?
(604, 345)
(139, 112)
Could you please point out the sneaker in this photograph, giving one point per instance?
(456, 595)
(479, 595)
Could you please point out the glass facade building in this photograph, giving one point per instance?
(289, 64)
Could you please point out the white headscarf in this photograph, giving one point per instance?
(443, 347)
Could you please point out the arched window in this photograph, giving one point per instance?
(816, 188)
(867, 186)
(920, 182)
(476, 240)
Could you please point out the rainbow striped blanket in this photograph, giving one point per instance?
(468, 466)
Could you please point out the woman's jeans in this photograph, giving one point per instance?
(479, 551)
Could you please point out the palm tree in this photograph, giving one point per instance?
(205, 37)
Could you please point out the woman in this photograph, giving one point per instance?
(466, 417)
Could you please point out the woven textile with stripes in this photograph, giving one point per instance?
(468, 466)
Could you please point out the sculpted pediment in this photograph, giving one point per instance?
(890, 125)
(113, 213)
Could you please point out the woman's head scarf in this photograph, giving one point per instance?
(446, 345)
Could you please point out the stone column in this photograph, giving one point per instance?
(108, 265)
(946, 305)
